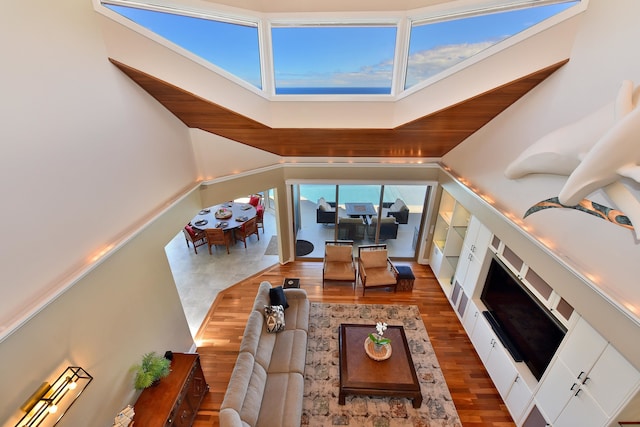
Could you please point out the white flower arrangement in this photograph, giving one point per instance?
(378, 338)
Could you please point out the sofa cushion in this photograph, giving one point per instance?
(339, 271)
(338, 253)
(274, 318)
(297, 315)
(380, 276)
(289, 352)
(384, 220)
(282, 403)
(323, 205)
(277, 297)
(374, 259)
(397, 206)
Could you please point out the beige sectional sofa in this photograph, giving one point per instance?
(267, 382)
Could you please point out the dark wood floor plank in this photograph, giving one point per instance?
(476, 399)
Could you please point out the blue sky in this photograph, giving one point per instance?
(339, 56)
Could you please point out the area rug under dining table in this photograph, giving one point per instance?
(322, 372)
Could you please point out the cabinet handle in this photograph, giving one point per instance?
(580, 374)
(578, 392)
(586, 379)
(573, 386)
(517, 378)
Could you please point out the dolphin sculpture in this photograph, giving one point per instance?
(596, 152)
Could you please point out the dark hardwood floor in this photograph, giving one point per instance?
(476, 399)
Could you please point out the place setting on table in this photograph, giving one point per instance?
(226, 216)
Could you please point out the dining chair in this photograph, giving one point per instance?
(248, 228)
(254, 200)
(195, 236)
(260, 217)
(217, 236)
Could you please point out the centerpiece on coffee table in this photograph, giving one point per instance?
(223, 213)
(376, 345)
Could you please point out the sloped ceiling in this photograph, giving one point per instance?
(429, 136)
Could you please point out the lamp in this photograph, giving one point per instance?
(55, 398)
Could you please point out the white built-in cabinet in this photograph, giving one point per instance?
(471, 259)
(587, 383)
(513, 380)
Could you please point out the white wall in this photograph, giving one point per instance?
(87, 158)
(602, 57)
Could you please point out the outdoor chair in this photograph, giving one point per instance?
(398, 209)
(195, 236)
(338, 262)
(217, 236)
(375, 269)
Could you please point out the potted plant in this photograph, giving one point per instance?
(152, 368)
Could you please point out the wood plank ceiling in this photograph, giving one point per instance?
(430, 136)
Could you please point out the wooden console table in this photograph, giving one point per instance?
(176, 399)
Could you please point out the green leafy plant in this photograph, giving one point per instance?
(378, 338)
(152, 368)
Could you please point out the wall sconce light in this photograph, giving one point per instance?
(54, 399)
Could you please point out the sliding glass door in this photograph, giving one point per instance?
(364, 213)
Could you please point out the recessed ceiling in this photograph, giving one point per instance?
(284, 6)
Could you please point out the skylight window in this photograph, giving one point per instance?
(230, 46)
(333, 60)
(435, 47)
(308, 57)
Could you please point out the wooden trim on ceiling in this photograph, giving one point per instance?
(432, 135)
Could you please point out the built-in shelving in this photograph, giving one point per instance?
(449, 232)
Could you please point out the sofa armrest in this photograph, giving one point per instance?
(295, 293)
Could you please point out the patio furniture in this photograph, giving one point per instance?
(351, 228)
(338, 262)
(388, 228)
(398, 209)
(325, 212)
(375, 269)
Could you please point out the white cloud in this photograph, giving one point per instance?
(427, 63)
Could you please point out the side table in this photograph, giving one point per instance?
(290, 282)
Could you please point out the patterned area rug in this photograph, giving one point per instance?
(322, 373)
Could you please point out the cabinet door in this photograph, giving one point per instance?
(583, 347)
(483, 339)
(611, 380)
(479, 237)
(518, 398)
(470, 318)
(556, 390)
(500, 367)
(581, 411)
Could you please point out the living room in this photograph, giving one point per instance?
(129, 166)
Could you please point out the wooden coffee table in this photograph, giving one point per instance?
(361, 375)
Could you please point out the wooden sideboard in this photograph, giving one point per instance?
(176, 399)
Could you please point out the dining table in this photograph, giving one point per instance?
(226, 216)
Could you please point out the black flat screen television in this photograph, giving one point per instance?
(525, 327)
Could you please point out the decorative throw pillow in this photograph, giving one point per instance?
(338, 253)
(274, 318)
(277, 297)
